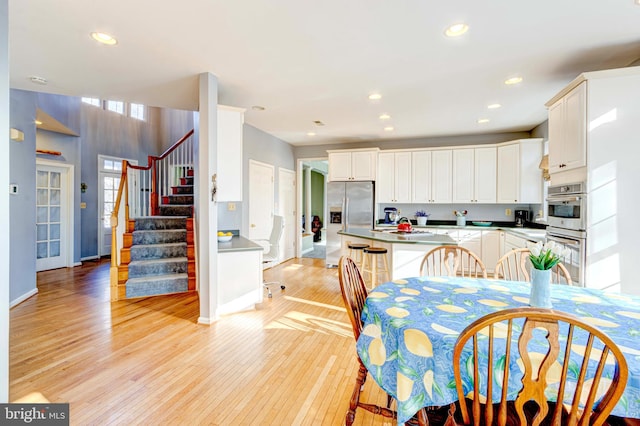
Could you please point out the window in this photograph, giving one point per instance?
(136, 111)
(111, 165)
(116, 106)
(91, 101)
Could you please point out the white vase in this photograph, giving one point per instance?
(461, 221)
(422, 220)
(540, 288)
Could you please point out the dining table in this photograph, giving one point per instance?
(410, 327)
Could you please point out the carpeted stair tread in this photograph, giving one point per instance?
(178, 200)
(157, 285)
(149, 267)
(158, 251)
(164, 236)
(175, 209)
(160, 223)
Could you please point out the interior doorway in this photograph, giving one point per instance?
(261, 200)
(287, 204)
(54, 215)
(313, 200)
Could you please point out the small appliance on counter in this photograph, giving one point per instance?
(522, 216)
(390, 215)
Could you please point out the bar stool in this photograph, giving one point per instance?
(375, 263)
(356, 253)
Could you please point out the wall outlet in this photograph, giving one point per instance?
(13, 189)
(231, 207)
(507, 212)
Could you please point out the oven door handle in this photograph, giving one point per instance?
(563, 199)
(563, 240)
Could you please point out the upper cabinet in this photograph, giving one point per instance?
(393, 183)
(229, 179)
(519, 175)
(568, 130)
(352, 165)
(474, 175)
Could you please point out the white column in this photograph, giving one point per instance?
(206, 211)
(307, 200)
(4, 203)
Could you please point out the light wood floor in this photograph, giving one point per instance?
(289, 362)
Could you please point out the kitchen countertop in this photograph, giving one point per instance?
(386, 236)
(532, 234)
(238, 243)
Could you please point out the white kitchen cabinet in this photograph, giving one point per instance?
(519, 178)
(474, 175)
(421, 177)
(470, 239)
(431, 176)
(229, 153)
(491, 252)
(568, 130)
(441, 170)
(393, 183)
(352, 165)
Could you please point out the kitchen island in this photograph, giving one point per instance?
(405, 250)
(239, 275)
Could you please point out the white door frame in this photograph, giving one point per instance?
(299, 206)
(69, 216)
(101, 196)
(281, 203)
(265, 209)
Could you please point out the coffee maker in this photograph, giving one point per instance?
(522, 216)
(390, 215)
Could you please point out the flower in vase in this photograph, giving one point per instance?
(546, 256)
(421, 213)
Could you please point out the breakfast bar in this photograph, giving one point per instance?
(405, 249)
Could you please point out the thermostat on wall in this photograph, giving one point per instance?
(13, 188)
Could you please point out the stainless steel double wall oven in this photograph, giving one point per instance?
(566, 216)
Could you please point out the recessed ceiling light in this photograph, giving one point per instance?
(483, 120)
(38, 122)
(638, 2)
(375, 96)
(257, 108)
(384, 116)
(311, 134)
(38, 80)
(494, 106)
(104, 38)
(388, 129)
(513, 80)
(456, 30)
(318, 123)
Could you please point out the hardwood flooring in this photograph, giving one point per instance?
(291, 361)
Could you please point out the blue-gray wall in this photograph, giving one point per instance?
(22, 206)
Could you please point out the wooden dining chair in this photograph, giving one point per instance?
(354, 294)
(514, 266)
(574, 405)
(452, 261)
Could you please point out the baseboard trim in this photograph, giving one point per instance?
(77, 264)
(23, 298)
(82, 259)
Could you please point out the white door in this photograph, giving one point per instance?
(109, 174)
(261, 198)
(54, 226)
(287, 201)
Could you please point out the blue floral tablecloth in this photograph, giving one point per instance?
(411, 326)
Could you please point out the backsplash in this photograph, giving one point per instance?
(475, 212)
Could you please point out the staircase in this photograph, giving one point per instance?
(158, 255)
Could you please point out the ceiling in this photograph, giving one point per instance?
(306, 61)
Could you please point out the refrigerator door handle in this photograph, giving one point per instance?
(345, 212)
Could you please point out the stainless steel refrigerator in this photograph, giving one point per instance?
(350, 205)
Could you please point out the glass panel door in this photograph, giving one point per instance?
(50, 218)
